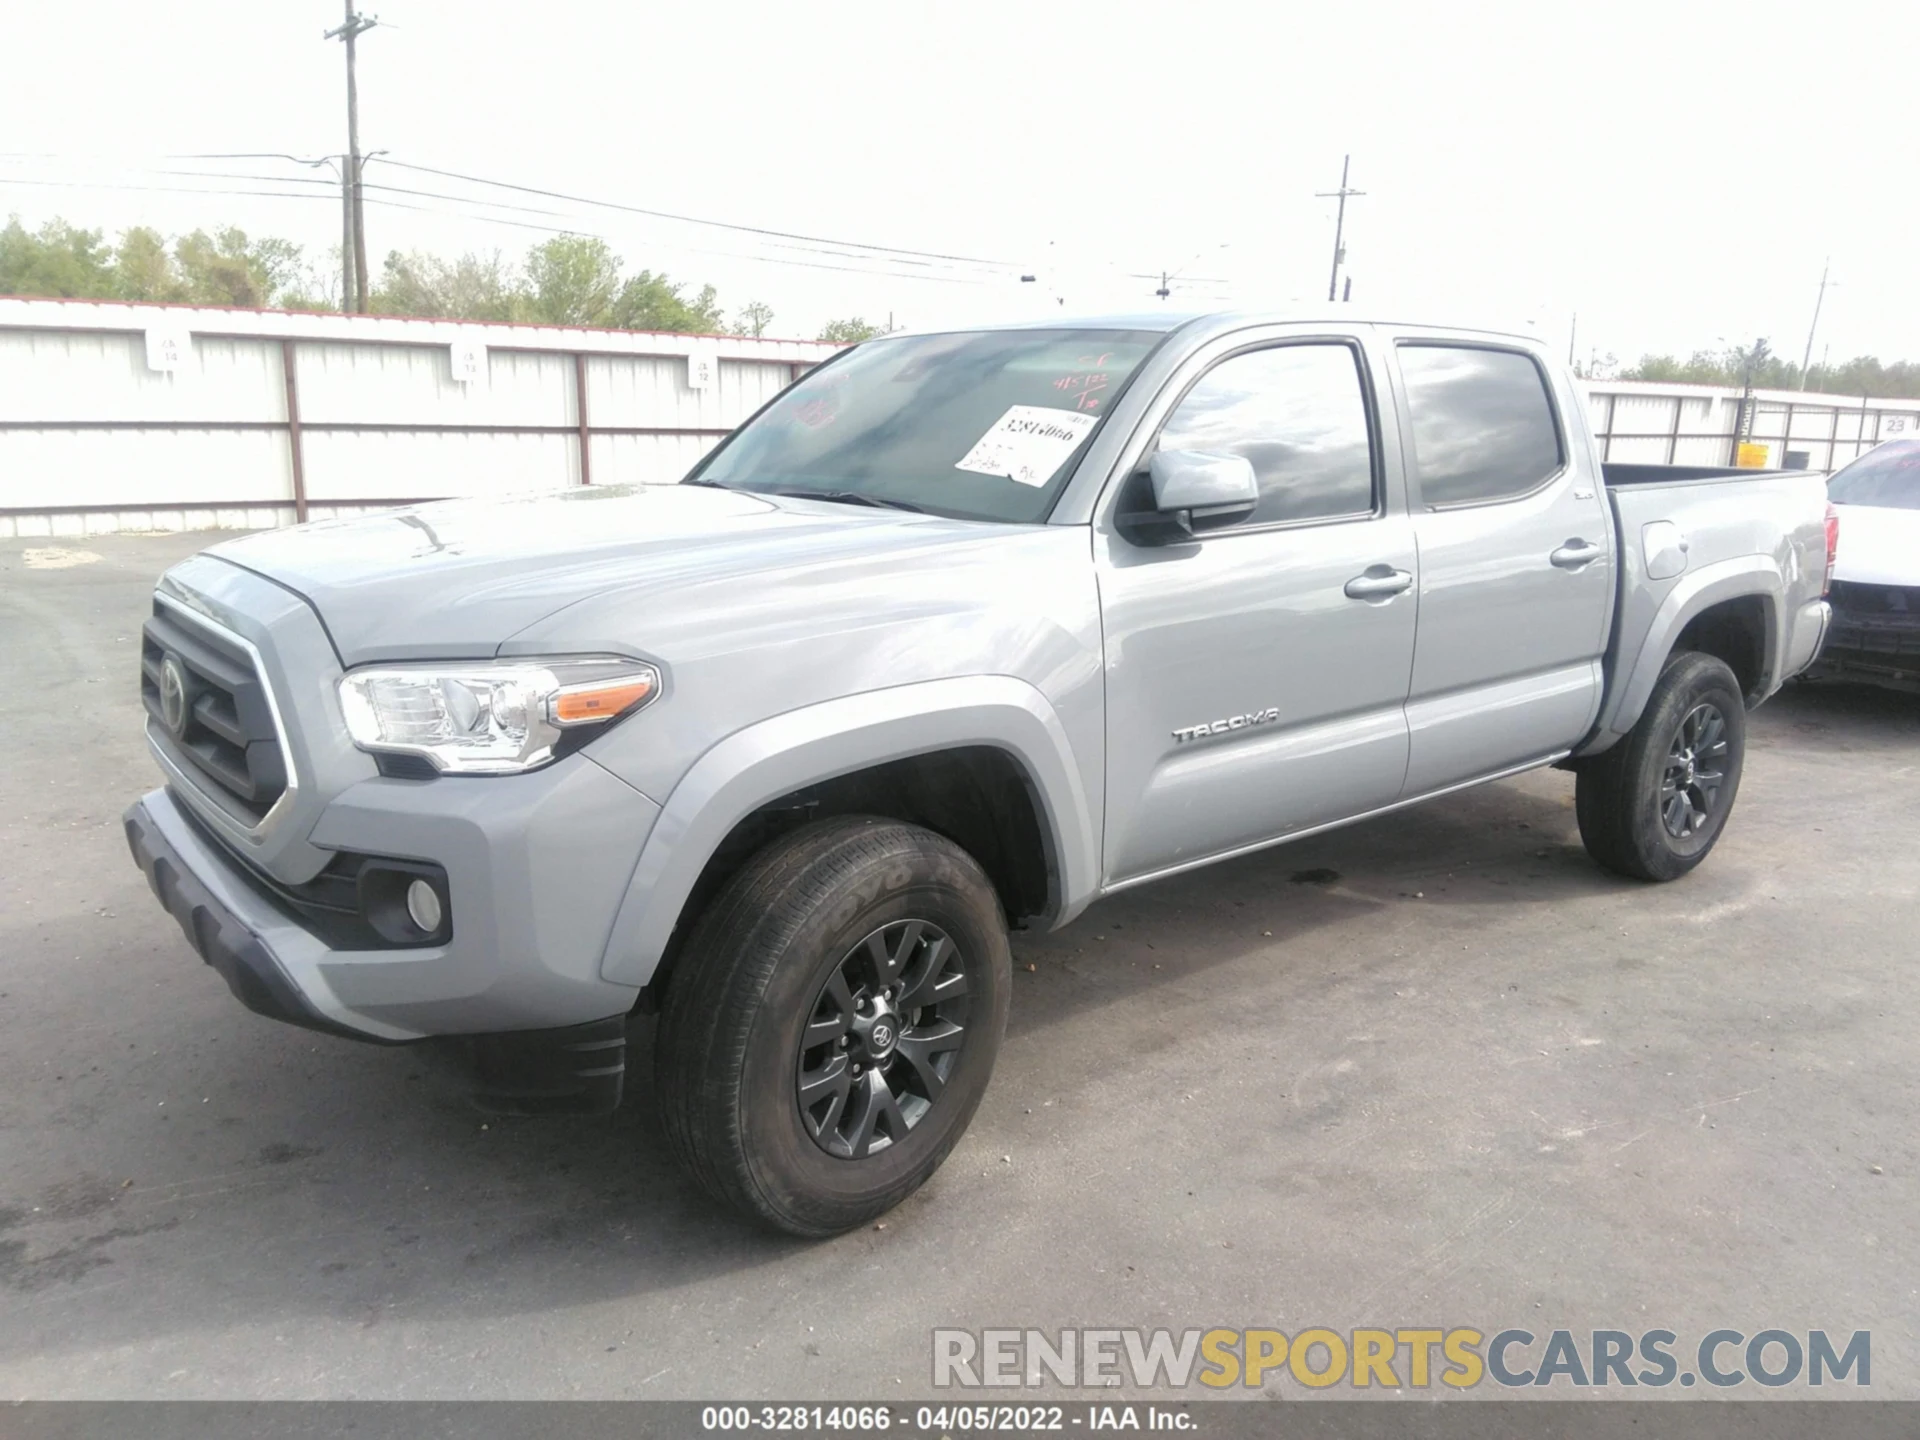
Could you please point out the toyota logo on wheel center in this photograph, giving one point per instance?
(881, 1036)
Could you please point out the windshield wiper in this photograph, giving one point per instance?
(850, 497)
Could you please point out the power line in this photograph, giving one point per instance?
(390, 189)
(841, 249)
(281, 195)
(847, 249)
(491, 220)
(1166, 279)
(886, 261)
(230, 175)
(823, 248)
(169, 189)
(696, 220)
(1185, 279)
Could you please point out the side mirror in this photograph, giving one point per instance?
(1193, 493)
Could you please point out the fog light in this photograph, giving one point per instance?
(423, 906)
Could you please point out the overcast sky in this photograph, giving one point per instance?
(1674, 173)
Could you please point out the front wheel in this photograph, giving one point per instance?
(833, 1023)
(1653, 806)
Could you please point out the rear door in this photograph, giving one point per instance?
(1256, 676)
(1516, 559)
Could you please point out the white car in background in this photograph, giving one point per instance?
(1875, 634)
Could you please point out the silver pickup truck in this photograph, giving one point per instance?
(959, 634)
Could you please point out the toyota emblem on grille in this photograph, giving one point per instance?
(173, 695)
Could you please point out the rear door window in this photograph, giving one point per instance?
(1483, 423)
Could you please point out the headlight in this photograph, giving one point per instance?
(489, 719)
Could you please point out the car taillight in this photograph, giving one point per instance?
(1833, 548)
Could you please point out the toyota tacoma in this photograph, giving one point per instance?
(957, 635)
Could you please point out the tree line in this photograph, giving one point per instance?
(1756, 364)
(567, 280)
(579, 280)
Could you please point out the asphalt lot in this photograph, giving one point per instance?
(1436, 1069)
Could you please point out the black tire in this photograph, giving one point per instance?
(754, 989)
(1646, 807)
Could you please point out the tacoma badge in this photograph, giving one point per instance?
(1232, 722)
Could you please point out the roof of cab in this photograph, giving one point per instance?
(1163, 321)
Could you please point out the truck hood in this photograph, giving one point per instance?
(1879, 545)
(458, 579)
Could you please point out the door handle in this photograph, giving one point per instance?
(1378, 583)
(1576, 553)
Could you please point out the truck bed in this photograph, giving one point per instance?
(1688, 531)
(1620, 474)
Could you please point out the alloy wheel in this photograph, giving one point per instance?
(1696, 769)
(882, 1039)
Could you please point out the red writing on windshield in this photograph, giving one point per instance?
(1085, 384)
(822, 410)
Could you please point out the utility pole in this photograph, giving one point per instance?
(1339, 225)
(1808, 356)
(352, 28)
(1168, 277)
(346, 238)
(346, 222)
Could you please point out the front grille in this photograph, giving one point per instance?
(212, 714)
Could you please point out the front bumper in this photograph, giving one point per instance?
(244, 958)
(536, 868)
(270, 965)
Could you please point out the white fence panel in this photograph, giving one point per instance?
(646, 459)
(393, 466)
(53, 376)
(414, 385)
(39, 468)
(653, 392)
(92, 438)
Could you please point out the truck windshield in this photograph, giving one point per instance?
(1888, 476)
(983, 425)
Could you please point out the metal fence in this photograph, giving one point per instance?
(133, 417)
(1647, 423)
(139, 417)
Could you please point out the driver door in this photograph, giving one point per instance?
(1257, 676)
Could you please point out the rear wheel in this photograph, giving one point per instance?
(833, 1023)
(1655, 804)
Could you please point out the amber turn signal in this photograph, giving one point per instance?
(601, 699)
